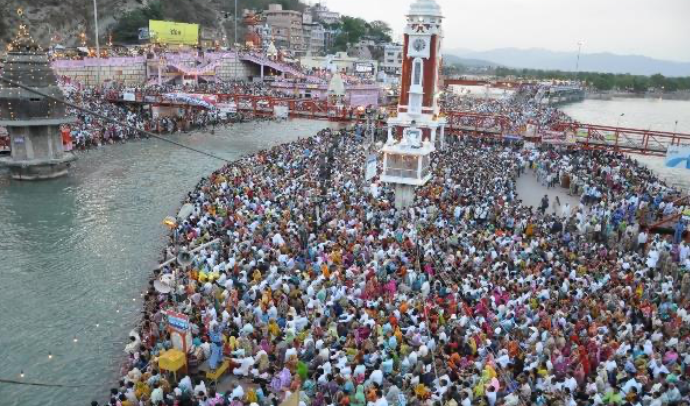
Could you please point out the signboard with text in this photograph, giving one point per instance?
(172, 33)
(178, 321)
(558, 137)
(364, 67)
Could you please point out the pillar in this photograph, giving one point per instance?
(443, 137)
(419, 167)
(389, 140)
(404, 196)
(160, 79)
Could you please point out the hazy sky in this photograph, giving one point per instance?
(656, 28)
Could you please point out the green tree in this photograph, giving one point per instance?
(380, 31)
(601, 82)
(640, 84)
(624, 82)
(126, 29)
(352, 29)
(658, 81)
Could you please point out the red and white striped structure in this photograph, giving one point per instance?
(412, 131)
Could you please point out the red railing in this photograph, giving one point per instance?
(620, 139)
(467, 121)
(669, 221)
(588, 136)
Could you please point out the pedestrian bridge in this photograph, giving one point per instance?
(279, 67)
(467, 123)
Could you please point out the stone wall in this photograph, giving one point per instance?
(132, 71)
(88, 75)
(129, 70)
(233, 69)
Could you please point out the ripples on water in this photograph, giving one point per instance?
(76, 251)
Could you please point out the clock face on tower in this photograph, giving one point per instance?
(418, 47)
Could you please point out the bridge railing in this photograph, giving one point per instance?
(589, 136)
(620, 139)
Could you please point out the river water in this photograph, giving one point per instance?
(77, 251)
(654, 114)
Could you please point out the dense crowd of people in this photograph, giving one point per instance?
(90, 131)
(231, 87)
(520, 108)
(319, 287)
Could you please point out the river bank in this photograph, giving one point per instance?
(79, 249)
(610, 95)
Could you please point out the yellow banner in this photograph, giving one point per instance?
(171, 33)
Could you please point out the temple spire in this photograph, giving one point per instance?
(23, 41)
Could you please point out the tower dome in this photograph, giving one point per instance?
(428, 8)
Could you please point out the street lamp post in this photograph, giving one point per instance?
(235, 23)
(98, 46)
(579, 49)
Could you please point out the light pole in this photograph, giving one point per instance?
(235, 23)
(579, 49)
(98, 46)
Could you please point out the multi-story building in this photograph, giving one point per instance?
(329, 37)
(322, 14)
(314, 36)
(286, 28)
(342, 63)
(392, 59)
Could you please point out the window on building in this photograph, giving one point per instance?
(417, 72)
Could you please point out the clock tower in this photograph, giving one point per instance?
(413, 131)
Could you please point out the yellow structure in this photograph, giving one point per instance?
(172, 360)
(172, 33)
(214, 375)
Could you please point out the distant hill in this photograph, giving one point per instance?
(449, 59)
(65, 19)
(536, 58)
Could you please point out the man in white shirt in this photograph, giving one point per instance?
(641, 240)
(157, 394)
(629, 384)
(381, 401)
(377, 376)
